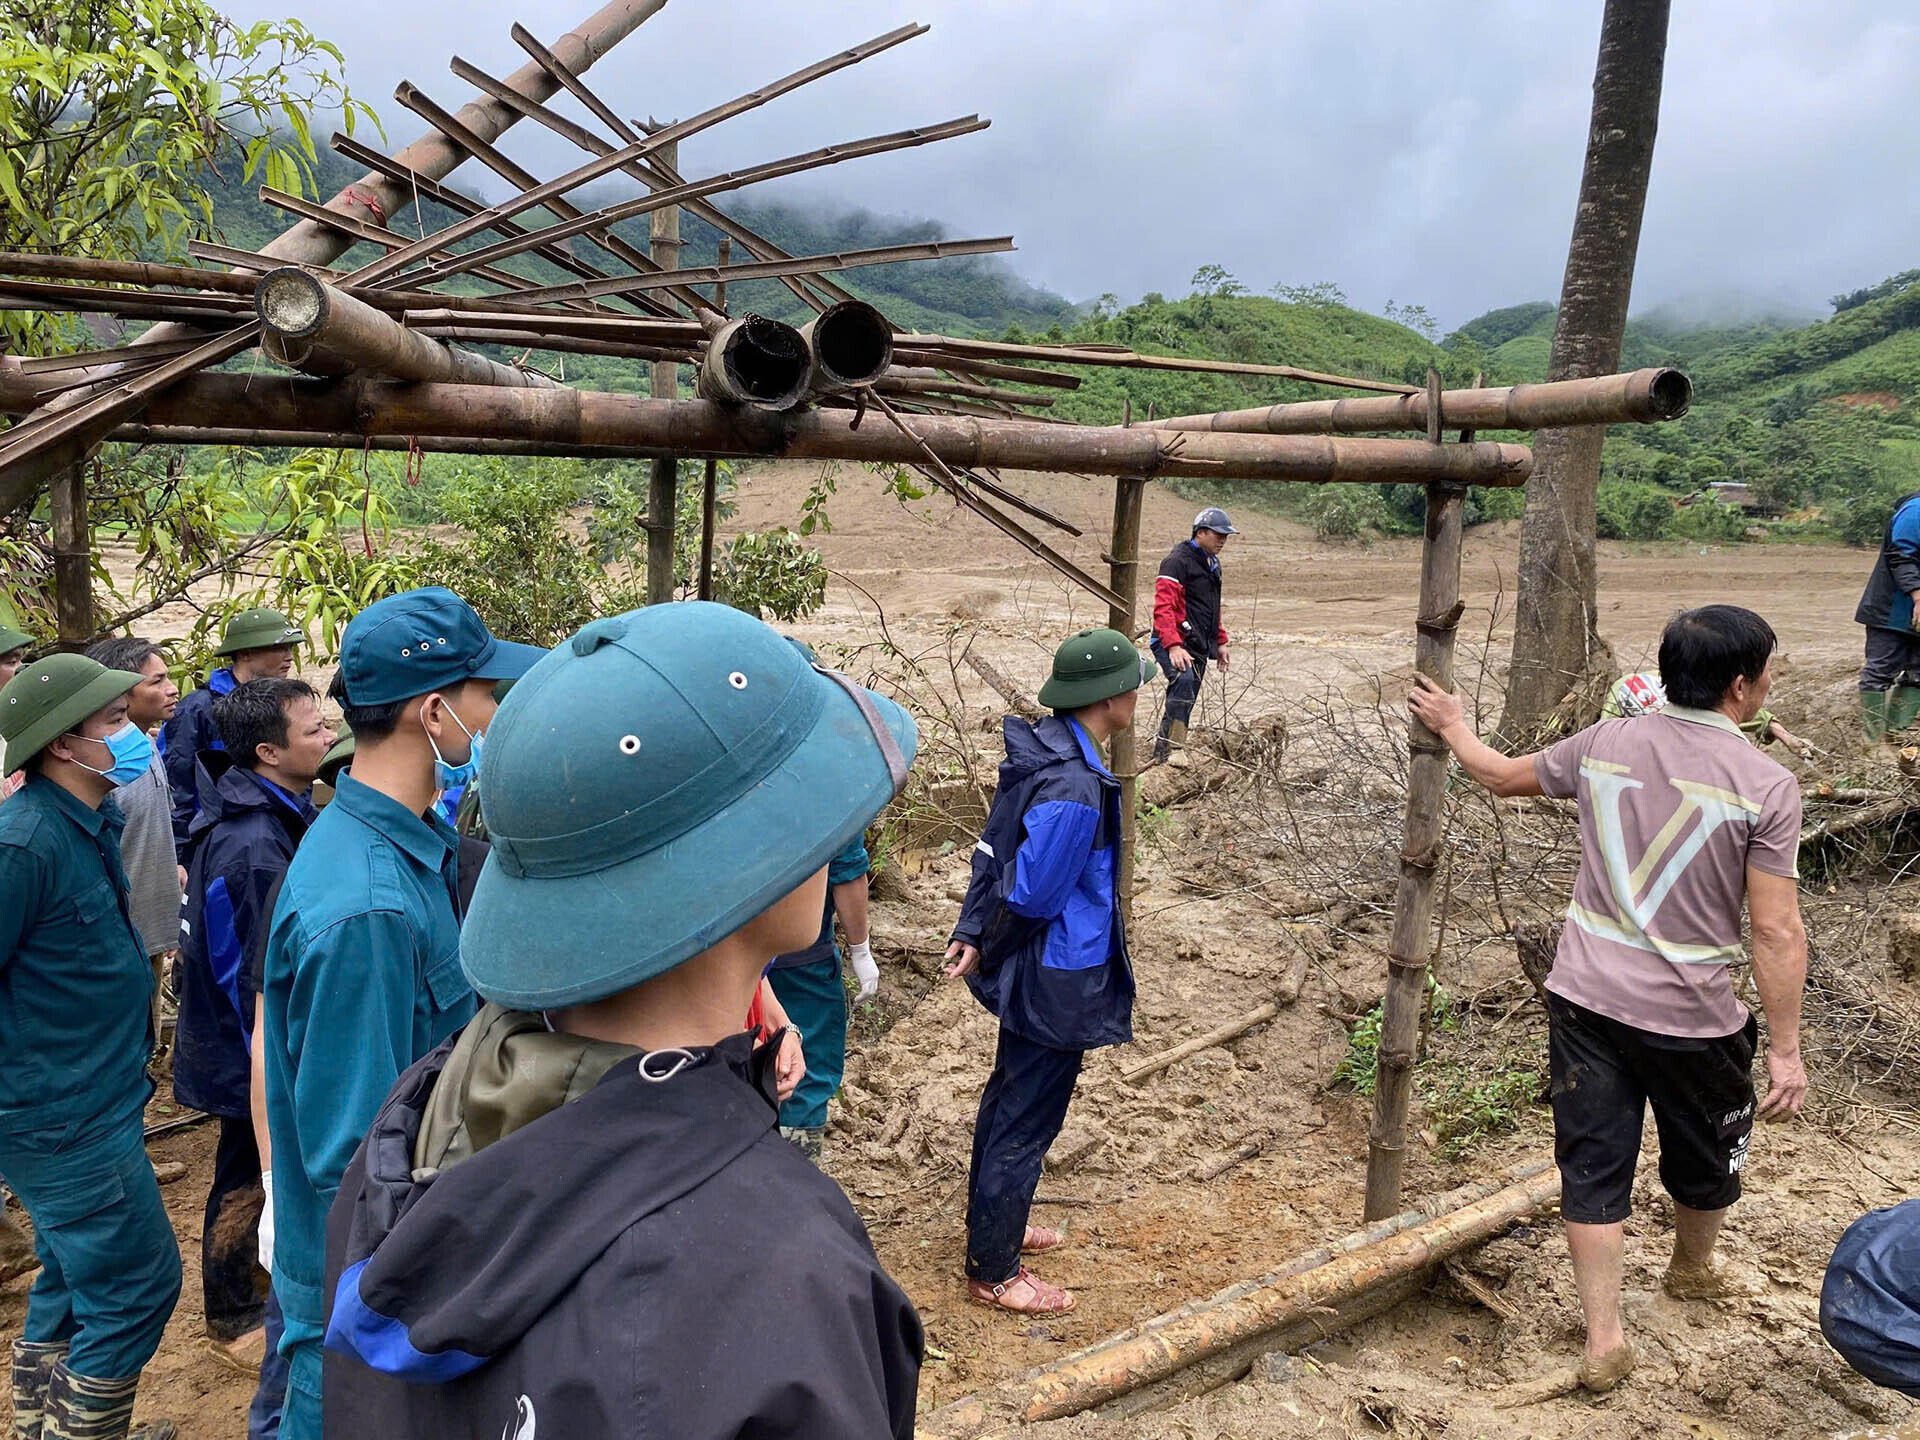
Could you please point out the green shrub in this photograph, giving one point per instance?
(771, 573)
(1348, 512)
(1465, 1104)
(1707, 521)
(1631, 510)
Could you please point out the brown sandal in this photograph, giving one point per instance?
(1043, 1299)
(1041, 1238)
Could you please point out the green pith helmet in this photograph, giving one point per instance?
(50, 697)
(12, 639)
(338, 757)
(258, 629)
(1092, 666)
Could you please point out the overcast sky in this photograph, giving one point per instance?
(1419, 152)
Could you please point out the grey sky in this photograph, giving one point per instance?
(1410, 151)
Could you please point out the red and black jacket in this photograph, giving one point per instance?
(1186, 602)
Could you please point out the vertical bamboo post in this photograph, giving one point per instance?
(663, 491)
(72, 557)
(710, 482)
(1412, 944)
(1123, 572)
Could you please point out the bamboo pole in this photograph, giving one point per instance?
(72, 557)
(1123, 578)
(1411, 945)
(1150, 1353)
(663, 487)
(1639, 396)
(710, 478)
(652, 173)
(1232, 1030)
(636, 425)
(313, 327)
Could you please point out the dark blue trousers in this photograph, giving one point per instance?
(263, 1416)
(1021, 1112)
(1183, 688)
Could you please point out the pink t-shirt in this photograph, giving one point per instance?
(1673, 809)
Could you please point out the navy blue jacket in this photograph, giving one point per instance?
(1041, 908)
(615, 1267)
(182, 738)
(1870, 1301)
(240, 843)
(1887, 603)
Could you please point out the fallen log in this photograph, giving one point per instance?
(1884, 812)
(1151, 1353)
(1232, 1030)
(1002, 686)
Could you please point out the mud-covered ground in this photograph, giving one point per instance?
(1281, 873)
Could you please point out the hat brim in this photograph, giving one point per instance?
(1058, 694)
(95, 695)
(12, 640)
(508, 660)
(541, 943)
(269, 640)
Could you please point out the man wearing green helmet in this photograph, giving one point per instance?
(14, 645)
(76, 1028)
(578, 1216)
(1042, 946)
(258, 645)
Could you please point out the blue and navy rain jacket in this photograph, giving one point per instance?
(1887, 602)
(1041, 908)
(182, 739)
(1870, 1301)
(240, 845)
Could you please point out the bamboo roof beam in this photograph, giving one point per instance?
(641, 426)
(671, 134)
(653, 171)
(312, 326)
(1636, 397)
(411, 96)
(1123, 358)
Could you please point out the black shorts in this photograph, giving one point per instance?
(1604, 1075)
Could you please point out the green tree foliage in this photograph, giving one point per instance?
(115, 114)
(770, 574)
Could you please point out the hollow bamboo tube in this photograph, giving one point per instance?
(311, 326)
(1411, 945)
(1639, 396)
(638, 425)
(1161, 1347)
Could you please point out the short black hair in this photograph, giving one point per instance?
(367, 722)
(1702, 652)
(124, 652)
(255, 714)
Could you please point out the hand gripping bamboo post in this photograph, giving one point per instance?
(1412, 943)
(663, 248)
(1123, 578)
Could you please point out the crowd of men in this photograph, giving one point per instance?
(514, 1132)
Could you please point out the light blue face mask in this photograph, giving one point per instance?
(445, 776)
(131, 750)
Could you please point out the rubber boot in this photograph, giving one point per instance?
(1903, 707)
(1177, 740)
(82, 1408)
(33, 1362)
(1873, 715)
(809, 1140)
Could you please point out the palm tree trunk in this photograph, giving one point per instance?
(1559, 659)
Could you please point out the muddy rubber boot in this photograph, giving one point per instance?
(82, 1408)
(1177, 739)
(1903, 707)
(33, 1362)
(1597, 1377)
(809, 1140)
(1873, 716)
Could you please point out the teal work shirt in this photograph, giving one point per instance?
(362, 978)
(76, 990)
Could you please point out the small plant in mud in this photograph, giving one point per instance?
(1359, 1067)
(1465, 1104)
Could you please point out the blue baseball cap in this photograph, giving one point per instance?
(655, 783)
(420, 641)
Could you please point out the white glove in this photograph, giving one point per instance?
(266, 1223)
(864, 970)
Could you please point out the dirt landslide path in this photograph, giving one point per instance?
(1239, 902)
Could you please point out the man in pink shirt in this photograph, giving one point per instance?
(1682, 823)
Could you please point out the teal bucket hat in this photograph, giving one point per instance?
(653, 784)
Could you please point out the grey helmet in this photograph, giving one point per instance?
(1214, 518)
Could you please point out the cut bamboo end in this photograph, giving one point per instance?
(756, 362)
(851, 344)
